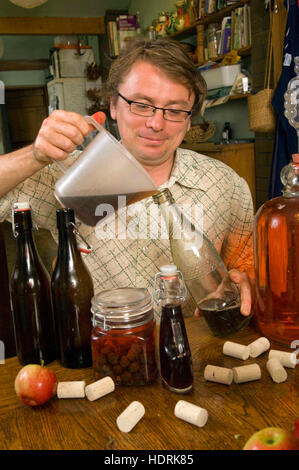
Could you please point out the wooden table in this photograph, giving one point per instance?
(235, 411)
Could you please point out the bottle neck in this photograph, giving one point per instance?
(290, 179)
(171, 291)
(25, 242)
(67, 242)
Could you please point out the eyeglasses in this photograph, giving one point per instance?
(147, 110)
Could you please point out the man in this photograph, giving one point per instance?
(152, 89)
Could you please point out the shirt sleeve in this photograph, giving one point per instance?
(38, 190)
(237, 249)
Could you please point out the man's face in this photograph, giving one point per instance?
(151, 140)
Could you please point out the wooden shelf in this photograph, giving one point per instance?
(239, 97)
(211, 18)
(39, 64)
(245, 51)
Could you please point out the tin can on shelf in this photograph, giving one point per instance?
(123, 336)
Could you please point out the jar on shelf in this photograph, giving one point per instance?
(212, 40)
(123, 336)
(161, 28)
(180, 15)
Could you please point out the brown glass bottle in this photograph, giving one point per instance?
(6, 325)
(30, 295)
(72, 291)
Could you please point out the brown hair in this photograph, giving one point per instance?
(166, 54)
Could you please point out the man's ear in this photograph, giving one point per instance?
(113, 108)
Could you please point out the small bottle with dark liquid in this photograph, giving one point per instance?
(174, 349)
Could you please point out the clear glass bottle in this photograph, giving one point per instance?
(123, 336)
(72, 291)
(30, 295)
(205, 274)
(276, 251)
(174, 350)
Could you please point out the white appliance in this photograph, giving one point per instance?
(68, 94)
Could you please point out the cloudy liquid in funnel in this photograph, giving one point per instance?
(85, 206)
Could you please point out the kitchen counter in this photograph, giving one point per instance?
(235, 411)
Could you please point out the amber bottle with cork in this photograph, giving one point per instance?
(72, 291)
(276, 251)
(30, 295)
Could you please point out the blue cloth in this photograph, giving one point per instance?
(286, 141)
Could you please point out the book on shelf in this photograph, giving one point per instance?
(224, 45)
(112, 38)
(201, 8)
(127, 28)
(242, 32)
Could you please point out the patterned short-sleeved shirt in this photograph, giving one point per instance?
(133, 260)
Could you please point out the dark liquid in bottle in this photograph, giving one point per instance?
(85, 206)
(34, 328)
(175, 355)
(74, 333)
(222, 322)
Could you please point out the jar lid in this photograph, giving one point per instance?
(124, 307)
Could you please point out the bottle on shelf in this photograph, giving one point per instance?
(72, 291)
(276, 251)
(175, 355)
(205, 274)
(227, 133)
(30, 294)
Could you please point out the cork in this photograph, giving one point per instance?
(73, 389)
(276, 370)
(259, 346)
(191, 413)
(128, 419)
(217, 374)
(286, 359)
(99, 389)
(236, 350)
(247, 373)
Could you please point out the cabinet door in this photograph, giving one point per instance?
(241, 159)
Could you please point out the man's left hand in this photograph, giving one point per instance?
(245, 284)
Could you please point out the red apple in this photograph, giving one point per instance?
(296, 428)
(35, 384)
(272, 439)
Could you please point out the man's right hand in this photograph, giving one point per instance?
(59, 135)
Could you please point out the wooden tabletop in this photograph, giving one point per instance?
(235, 411)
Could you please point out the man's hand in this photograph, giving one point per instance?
(60, 133)
(246, 285)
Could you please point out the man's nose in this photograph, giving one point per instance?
(156, 121)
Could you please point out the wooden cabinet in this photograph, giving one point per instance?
(240, 157)
(26, 110)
